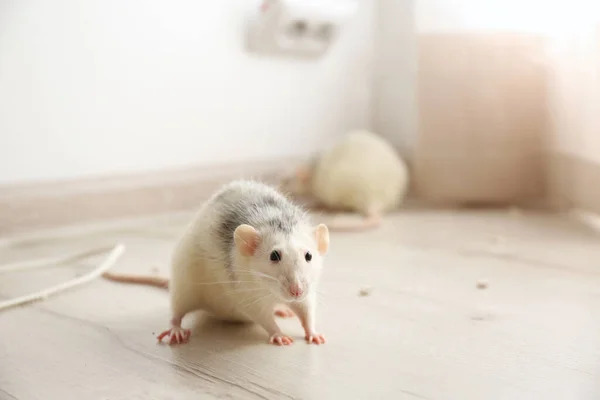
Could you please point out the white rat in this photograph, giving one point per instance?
(362, 173)
(247, 250)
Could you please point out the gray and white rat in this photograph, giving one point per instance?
(362, 173)
(247, 250)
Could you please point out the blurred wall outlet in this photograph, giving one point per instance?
(299, 28)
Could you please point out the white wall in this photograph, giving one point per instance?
(523, 16)
(576, 92)
(398, 25)
(92, 88)
(573, 28)
(395, 72)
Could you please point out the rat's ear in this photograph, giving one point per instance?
(246, 239)
(322, 236)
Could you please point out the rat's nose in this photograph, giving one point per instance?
(295, 290)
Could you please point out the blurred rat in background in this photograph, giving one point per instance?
(362, 173)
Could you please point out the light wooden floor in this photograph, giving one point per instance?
(425, 332)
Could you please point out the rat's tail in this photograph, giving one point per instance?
(138, 279)
(370, 222)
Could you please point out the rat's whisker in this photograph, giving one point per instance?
(260, 298)
(219, 283)
(229, 293)
(259, 274)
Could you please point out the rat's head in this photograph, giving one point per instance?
(290, 265)
(300, 181)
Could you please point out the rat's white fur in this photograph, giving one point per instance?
(246, 287)
(361, 173)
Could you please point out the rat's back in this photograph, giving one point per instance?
(362, 171)
(236, 203)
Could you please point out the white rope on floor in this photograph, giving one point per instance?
(50, 262)
(115, 253)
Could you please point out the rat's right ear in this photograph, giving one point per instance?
(322, 236)
(246, 239)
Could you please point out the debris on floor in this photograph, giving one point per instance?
(365, 291)
(484, 313)
(482, 284)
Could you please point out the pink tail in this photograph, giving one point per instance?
(138, 279)
(372, 221)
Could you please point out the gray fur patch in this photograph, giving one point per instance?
(230, 220)
(260, 207)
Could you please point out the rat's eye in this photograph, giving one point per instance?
(275, 256)
(308, 256)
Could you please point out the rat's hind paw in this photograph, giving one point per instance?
(284, 312)
(177, 335)
(280, 339)
(315, 338)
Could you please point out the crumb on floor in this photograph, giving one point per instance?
(365, 291)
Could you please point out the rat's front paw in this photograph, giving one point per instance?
(176, 335)
(280, 339)
(315, 338)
